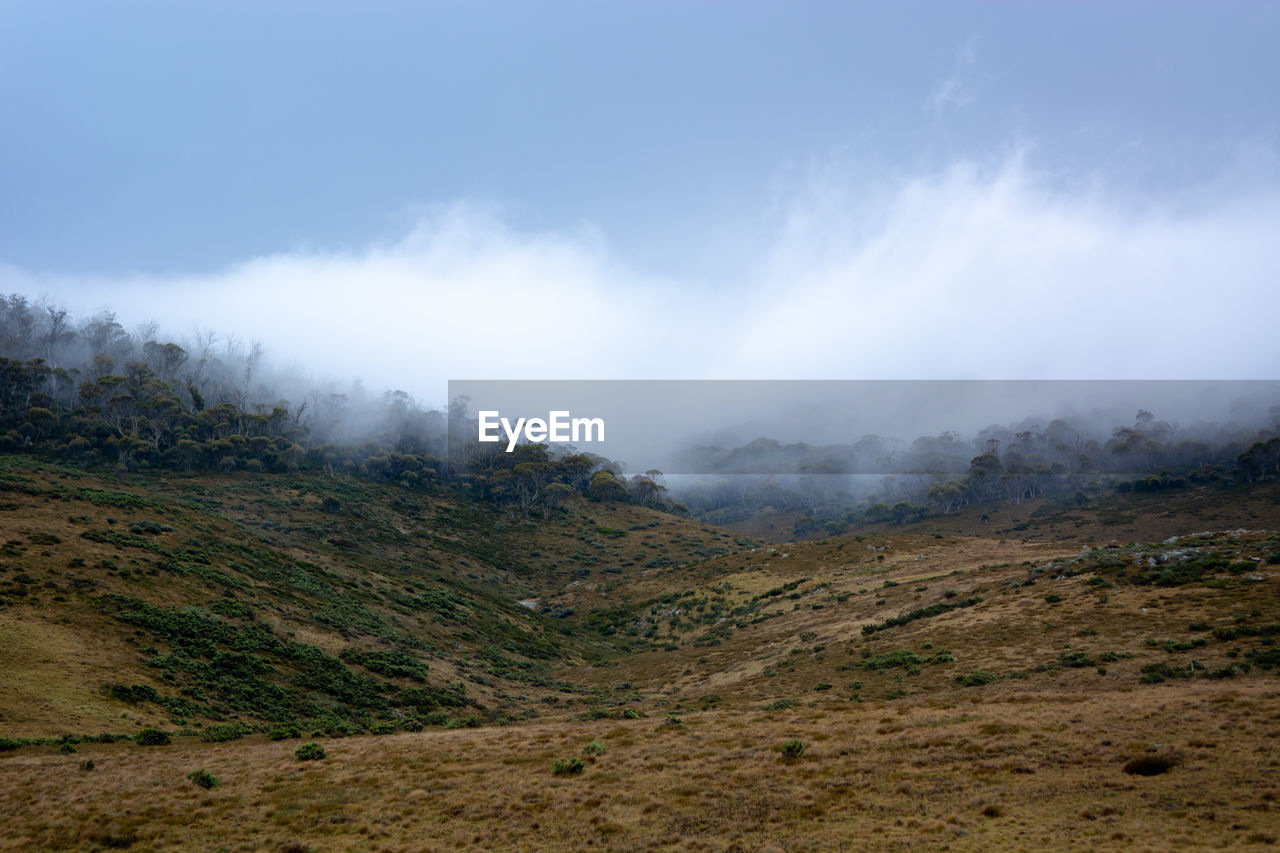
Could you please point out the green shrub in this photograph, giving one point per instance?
(778, 705)
(132, 693)
(223, 732)
(567, 766)
(1112, 657)
(152, 737)
(154, 528)
(204, 778)
(337, 728)
(792, 748)
(901, 657)
(921, 613)
(309, 751)
(594, 748)
(1264, 659)
(468, 722)
(285, 731)
(1227, 634)
(977, 678)
(1155, 673)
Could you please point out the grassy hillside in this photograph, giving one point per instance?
(180, 600)
(1052, 675)
(909, 611)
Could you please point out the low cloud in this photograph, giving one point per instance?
(972, 272)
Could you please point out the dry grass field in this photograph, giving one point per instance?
(951, 684)
(1008, 767)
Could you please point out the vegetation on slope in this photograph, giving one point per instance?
(333, 600)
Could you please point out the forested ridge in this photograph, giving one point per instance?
(97, 394)
(94, 393)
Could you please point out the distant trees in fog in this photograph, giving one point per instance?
(96, 393)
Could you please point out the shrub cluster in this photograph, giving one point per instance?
(152, 737)
(792, 748)
(204, 778)
(309, 751)
(567, 766)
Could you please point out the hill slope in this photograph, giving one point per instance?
(957, 683)
(267, 597)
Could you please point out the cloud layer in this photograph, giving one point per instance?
(972, 272)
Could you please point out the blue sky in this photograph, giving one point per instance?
(778, 189)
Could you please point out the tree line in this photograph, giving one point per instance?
(95, 393)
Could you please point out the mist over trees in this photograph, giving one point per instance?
(95, 393)
(878, 479)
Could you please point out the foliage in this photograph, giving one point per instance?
(285, 731)
(920, 613)
(309, 751)
(97, 394)
(152, 737)
(567, 766)
(223, 732)
(1076, 660)
(778, 705)
(792, 748)
(899, 658)
(977, 678)
(204, 778)
(245, 667)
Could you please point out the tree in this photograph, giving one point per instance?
(554, 496)
(578, 469)
(646, 492)
(946, 496)
(878, 511)
(55, 333)
(527, 483)
(607, 488)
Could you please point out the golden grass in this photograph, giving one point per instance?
(1033, 761)
(1023, 769)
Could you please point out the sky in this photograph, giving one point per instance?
(415, 192)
